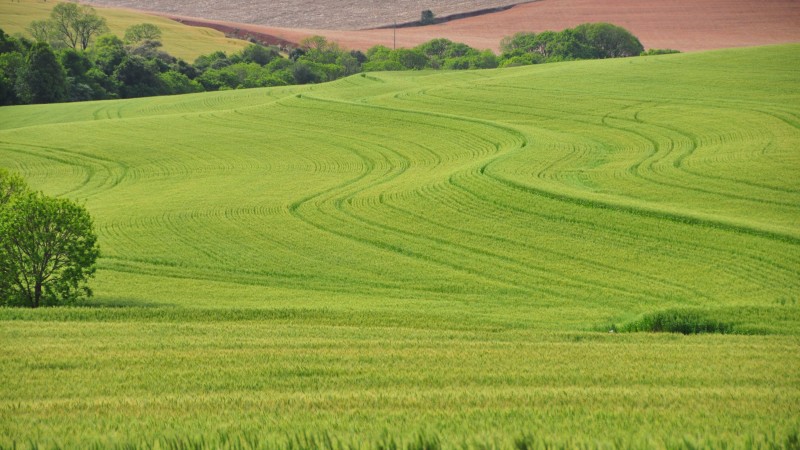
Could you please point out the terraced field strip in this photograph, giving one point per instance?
(427, 252)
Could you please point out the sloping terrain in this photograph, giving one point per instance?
(179, 40)
(425, 252)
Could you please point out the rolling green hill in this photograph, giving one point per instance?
(179, 40)
(426, 254)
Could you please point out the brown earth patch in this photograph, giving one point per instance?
(237, 32)
(310, 14)
(686, 25)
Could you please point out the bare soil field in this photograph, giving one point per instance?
(326, 14)
(686, 25)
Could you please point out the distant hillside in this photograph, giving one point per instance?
(179, 40)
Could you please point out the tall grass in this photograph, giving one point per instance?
(680, 321)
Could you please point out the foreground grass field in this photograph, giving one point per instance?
(423, 258)
(181, 41)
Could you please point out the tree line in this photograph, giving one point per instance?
(71, 57)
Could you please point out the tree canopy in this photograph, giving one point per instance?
(137, 66)
(11, 186)
(48, 247)
(142, 32)
(42, 79)
(71, 25)
(610, 41)
(586, 41)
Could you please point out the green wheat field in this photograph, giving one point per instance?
(426, 259)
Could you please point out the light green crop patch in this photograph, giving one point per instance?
(426, 258)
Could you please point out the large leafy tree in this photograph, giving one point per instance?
(610, 41)
(320, 50)
(9, 44)
(42, 78)
(259, 54)
(138, 77)
(44, 31)
(75, 25)
(519, 42)
(48, 247)
(108, 51)
(11, 60)
(11, 186)
(142, 32)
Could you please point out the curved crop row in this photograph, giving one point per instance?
(518, 184)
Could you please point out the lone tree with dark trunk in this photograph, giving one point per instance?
(48, 248)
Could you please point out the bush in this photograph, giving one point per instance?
(178, 83)
(609, 41)
(659, 51)
(410, 58)
(679, 321)
(138, 77)
(586, 41)
(427, 17)
(303, 73)
(142, 32)
(258, 54)
(381, 66)
(525, 59)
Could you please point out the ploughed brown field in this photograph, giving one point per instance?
(686, 25)
(322, 14)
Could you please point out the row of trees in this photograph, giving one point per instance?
(48, 247)
(586, 41)
(68, 61)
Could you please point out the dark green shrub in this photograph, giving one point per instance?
(427, 17)
(659, 51)
(679, 321)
